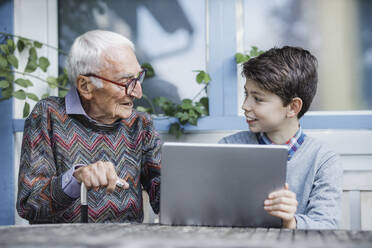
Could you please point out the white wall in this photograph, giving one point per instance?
(37, 20)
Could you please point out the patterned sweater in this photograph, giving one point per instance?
(53, 142)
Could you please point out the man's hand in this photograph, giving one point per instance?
(282, 204)
(99, 174)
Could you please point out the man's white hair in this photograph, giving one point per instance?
(86, 52)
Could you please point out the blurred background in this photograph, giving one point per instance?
(171, 35)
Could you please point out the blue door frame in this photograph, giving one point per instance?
(222, 93)
(7, 207)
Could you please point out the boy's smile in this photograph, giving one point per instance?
(264, 112)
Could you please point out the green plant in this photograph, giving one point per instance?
(188, 111)
(9, 66)
(244, 57)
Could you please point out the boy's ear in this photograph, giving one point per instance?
(294, 107)
(85, 87)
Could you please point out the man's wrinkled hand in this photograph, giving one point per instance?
(99, 175)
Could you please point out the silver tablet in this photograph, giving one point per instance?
(220, 184)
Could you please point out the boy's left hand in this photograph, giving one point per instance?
(282, 204)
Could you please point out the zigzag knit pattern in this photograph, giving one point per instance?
(53, 142)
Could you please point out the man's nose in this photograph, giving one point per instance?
(137, 91)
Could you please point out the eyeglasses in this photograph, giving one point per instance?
(129, 85)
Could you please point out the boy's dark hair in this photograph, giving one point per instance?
(288, 72)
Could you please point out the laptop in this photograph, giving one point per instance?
(220, 184)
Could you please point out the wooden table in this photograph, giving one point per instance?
(153, 235)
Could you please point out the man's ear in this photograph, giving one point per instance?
(294, 107)
(85, 87)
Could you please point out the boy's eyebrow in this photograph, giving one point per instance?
(257, 93)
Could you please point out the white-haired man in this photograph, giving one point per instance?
(94, 136)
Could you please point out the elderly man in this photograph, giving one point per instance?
(93, 136)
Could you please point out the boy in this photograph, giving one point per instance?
(280, 85)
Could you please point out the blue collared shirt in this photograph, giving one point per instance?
(293, 143)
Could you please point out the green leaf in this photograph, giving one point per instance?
(182, 116)
(29, 83)
(7, 92)
(32, 54)
(175, 129)
(149, 70)
(26, 110)
(52, 81)
(205, 102)
(11, 45)
(4, 48)
(37, 44)
(31, 66)
(193, 121)
(241, 58)
(43, 63)
(4, 84)
(45, 96)
(20, 45)
(192, 113)
(207, 78)
(200, 77)
(21, 82)
(13, 60)
(186, 104)
(26, 41)
(3, 62)
(32, 96)
(254, 51)
(7, 74)
(19, 94)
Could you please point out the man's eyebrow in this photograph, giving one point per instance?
(127, 75)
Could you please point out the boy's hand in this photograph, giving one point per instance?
(282, 204)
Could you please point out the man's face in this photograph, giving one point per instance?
(111, 100)
(263, 110)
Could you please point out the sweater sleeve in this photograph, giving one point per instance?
(324, 206)
(151, 164)
(40, 194)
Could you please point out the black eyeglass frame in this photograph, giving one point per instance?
(140, 78)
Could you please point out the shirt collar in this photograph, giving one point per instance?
(293, 143)
(73, 103)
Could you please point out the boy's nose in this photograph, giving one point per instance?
(246, 106)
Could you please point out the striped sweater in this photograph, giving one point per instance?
(53, 142)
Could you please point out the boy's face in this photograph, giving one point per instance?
(264, 110)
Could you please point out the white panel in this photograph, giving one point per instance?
(345, 141)
(355, 217)
(357, 162)
(358, 180)
(366, 210)
(39, 24)
(37, 20)
(345, 218)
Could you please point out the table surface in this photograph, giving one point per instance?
(154, 235)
